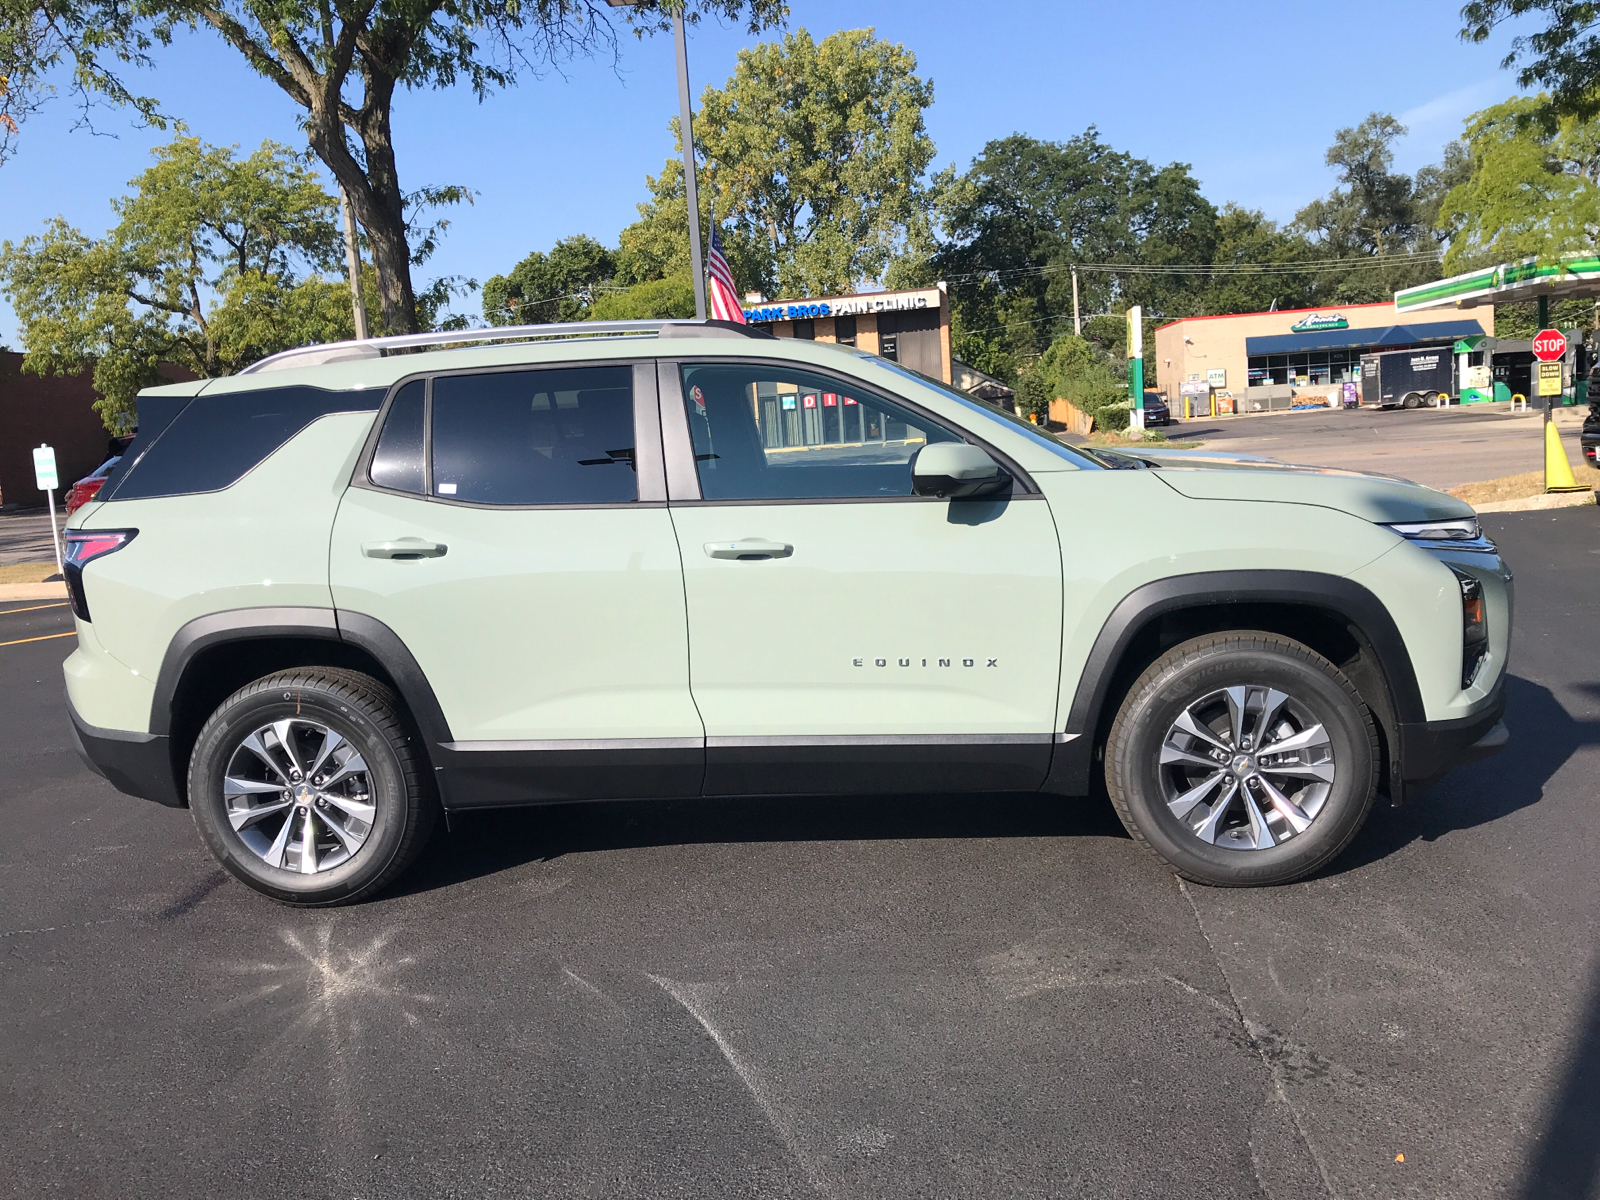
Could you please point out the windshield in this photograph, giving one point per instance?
(1040, 436)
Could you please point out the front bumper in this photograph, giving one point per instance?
(1427, 749)
(139, 764)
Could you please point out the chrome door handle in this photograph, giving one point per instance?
(404, 548)
(749, 550)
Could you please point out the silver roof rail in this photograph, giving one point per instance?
(378, 347)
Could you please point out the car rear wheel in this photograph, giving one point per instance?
(306, 786)
(1243, 759)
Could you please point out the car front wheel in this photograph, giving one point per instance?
(1243, 759)
(306, 786)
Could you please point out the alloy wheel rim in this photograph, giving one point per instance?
(298, 794)
(1246, 767)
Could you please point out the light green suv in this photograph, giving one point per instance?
(320, 600)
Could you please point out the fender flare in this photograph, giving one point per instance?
(1332, 595)
(230, 625)
(358, 630)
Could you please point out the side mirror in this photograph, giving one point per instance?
(956, 470)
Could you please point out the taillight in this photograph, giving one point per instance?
(83, 547)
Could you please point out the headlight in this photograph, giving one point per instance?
(1474, 627)
(1464, 529)
(1460, 533)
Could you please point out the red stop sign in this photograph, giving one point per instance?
(1549, 345)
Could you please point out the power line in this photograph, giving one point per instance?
(1364, 262)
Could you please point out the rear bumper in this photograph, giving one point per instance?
(1430, 748)
(139, 764)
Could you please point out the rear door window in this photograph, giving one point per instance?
(563, 436)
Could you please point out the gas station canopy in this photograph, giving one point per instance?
(1570, 279)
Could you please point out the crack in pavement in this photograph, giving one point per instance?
(1258, 1035)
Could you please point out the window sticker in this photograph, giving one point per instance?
(447, 489)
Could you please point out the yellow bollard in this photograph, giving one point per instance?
(1557, 470)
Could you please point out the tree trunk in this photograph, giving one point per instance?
(391, 251)
(376, 197)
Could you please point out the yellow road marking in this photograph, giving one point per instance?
(45, 638)
(35, 608)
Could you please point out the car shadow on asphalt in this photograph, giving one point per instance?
(1564, 1156)
(1543, 737)
(483, 843)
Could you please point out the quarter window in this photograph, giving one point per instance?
(397, 460)
(535, 437)
(765, 432)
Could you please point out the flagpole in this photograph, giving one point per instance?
(686, 123)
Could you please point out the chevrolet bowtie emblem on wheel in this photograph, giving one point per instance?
(924, 662)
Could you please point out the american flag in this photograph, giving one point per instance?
(723, 295)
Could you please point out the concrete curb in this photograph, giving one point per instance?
(33, 591)
(1535, 503)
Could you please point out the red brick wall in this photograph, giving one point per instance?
(57, 409)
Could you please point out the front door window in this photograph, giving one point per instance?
(763, 432)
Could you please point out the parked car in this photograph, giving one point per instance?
(1589, 439)
(1156, 411)
(349, 589)
(85, 489)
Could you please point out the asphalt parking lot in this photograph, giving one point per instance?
(1439, 447)
(842, 998)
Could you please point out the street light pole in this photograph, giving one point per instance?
(686, 128)
(692, 192)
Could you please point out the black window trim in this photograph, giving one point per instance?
(648, 458)
(683, 480)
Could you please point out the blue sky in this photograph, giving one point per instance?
(1249, 94)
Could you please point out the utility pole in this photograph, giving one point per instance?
(1077, 325)
(352, 262)
(686, 125)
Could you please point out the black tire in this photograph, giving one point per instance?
(1412, 400)
(1184, 677)
(367, 715)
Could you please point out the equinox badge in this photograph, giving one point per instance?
(942, 662)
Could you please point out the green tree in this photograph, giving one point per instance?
(1265, 259)
(1027, 211)
(1375, 212)
(656, 246)
(1530, 189)
(213, 264)
(820, 148)
(655, 299)
(815, 158)
(342, 62)
(549, 287)
(1563, 57)
(1079, 370)
(39, 36)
